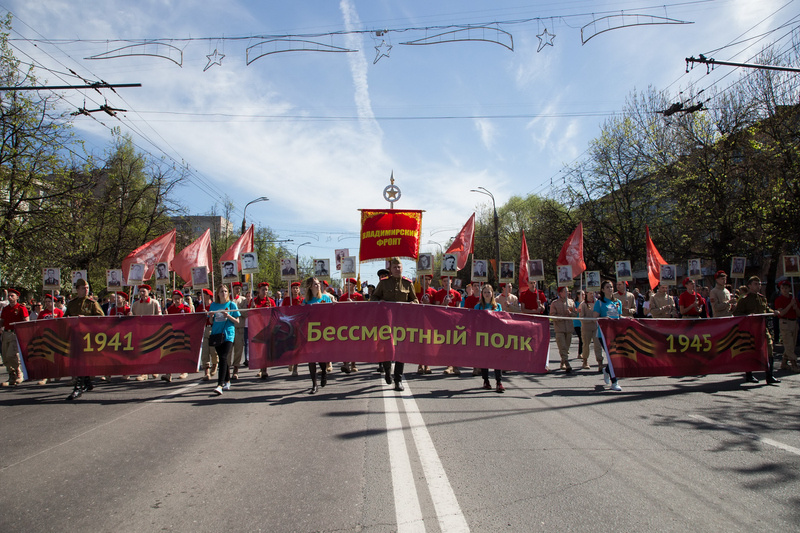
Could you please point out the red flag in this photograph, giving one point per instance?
(464, 243)
(572, 252)
(243, 245)
(197, 254)
(523, 265)
(654, 260)
(159, 250)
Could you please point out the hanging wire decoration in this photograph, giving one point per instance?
(282, 45)
(545, 39)
(214, 58)
(488, 34)
(615, 22)
(146, 49)
(382, 50)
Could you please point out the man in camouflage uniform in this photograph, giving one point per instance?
(755, 303)
(395, 288)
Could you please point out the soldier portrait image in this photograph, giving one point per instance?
(51, 278)
(348, 266)
(668, 274)
(425, 264)
(114, 278)
(791, 265)
(449, 265)
(737, 267)
(564, 275)
(623, 269)
(249, 263)
(76, 275)
(536, 269)
(162, 273)
(136, 274)
(593, 280)
(229, 272)
(479, 270)
(288, 268)
(506, 271)
(693, 268)
(200, 278)
(322, 268)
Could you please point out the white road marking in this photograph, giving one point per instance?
(451, 518)
(406, 503)
(754, 436)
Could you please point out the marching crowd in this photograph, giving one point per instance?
(224, 350)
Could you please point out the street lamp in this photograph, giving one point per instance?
(244, 213)
(481, 190)
(297, 256)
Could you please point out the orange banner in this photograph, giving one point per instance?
(389, 233)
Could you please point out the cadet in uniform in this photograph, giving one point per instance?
(720, 301)
(755, 303)
(82, 305)
(787, 307)
(350, 295)
(12, 313)
(395, 288)
(661, 303)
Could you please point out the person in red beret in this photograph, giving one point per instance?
(121, 306)
(350, 295)
(293, 298)
(144, 305)
(177, 307)
(13, 313)
(259, 301)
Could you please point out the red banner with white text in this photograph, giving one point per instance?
(388, 233)
(372, 332)
(640, 348)
(101, 346)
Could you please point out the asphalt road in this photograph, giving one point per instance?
(554, 453)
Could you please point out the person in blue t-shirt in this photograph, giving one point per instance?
(225, 315)
(607, 307)
(488, 302)
(314, 295)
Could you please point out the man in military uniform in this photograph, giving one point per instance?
(12, 313)
(395, 288)
(755, 303)
(720, 300)
(661, 303)
(82, 305)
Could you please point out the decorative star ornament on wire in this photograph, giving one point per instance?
(383, 50)
(545, 39)
(214, 59)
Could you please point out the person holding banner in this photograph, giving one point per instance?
(293, 298)
(449, 297)
(754, 303)
(226, 316)
(82, 305)
(11, 314)
(426, 295)
(208, 360)
(487, 302)
(626, 298)
(589, 332)
(350, 295)
(395, 288)
(608, 307)
(262, 300)
(661, 303)
(563, 307)
(691, 304)
(721, 302)
(315, 295)
(787, 307)
(532, 301)
(145, 306)
(507, 299)
(237, 355)
(177, 307)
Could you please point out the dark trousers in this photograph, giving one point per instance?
(312, 369)
(223, 370)
(398, 369)
(497, 374)
(580, 339)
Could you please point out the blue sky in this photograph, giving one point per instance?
(320, 133)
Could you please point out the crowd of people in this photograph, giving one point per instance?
(574, 312)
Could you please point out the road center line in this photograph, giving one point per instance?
(451, 518)
(406, 503)
(754, 436)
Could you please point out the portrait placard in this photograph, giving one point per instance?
(737, 267)
(343, 252)
(668, 274)
(480, 272)
(623, 270)
(51, 278)
(162, 274)
(348, 266)
(693, 269)
(136, 274)
(246, 289)
(322, 269)
(200, 278)
(536, 270)
(564, 275)
(249, 263)
(78, 274)
(229, 271)
(450, 265)
(593, 280)
(791, 265)
(114, 279)
(288, 269)
(506, 272)
(425, 264)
